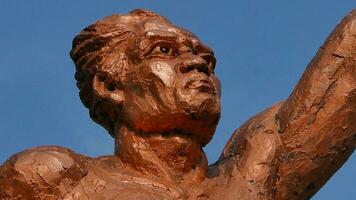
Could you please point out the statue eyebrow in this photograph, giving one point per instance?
(175, 39)
(151, 36)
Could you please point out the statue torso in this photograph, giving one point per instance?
(58, 173)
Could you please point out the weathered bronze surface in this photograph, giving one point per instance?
(152, 85)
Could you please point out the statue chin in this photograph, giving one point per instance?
(198, 119)
(202, 116)
(201, 105)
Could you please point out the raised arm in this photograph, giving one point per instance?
(290, 150)
(317, 123)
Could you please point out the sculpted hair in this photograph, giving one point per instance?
(98, 52)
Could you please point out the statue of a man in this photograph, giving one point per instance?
(152, 85)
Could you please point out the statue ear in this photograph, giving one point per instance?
(108, 91)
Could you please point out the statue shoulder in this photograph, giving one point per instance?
(46, 169)
(250, 156)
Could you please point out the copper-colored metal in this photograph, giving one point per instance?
(152, 85)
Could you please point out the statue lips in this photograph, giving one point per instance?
(201, 84)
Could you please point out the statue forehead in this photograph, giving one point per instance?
(159, 27)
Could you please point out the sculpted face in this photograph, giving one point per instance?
(170, 85)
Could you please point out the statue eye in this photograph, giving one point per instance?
(163, 50)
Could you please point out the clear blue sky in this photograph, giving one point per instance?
(262, 49)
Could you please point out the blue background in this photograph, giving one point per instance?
(262, 49)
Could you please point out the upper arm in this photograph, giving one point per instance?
(40, 171)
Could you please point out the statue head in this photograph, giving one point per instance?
(141, 71)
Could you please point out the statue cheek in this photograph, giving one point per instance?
(164, 72)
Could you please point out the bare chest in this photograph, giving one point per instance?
(120, 187)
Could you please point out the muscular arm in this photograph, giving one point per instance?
(317, 123)
(290, 150)
(41, 172)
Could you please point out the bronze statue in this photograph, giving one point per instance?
(152, 85)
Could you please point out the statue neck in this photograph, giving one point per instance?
(171, 155)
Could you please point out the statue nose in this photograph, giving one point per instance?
(195, 62)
